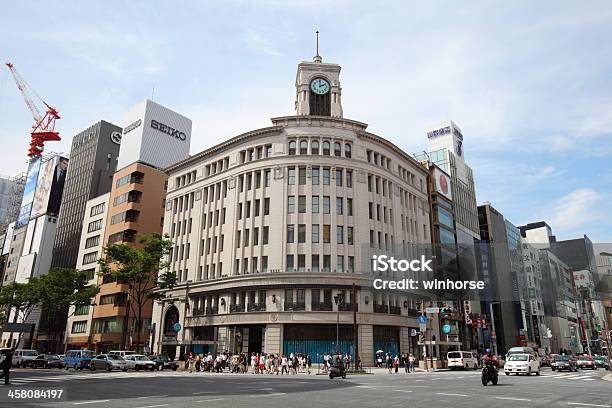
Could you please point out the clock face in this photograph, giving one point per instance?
(319, 86)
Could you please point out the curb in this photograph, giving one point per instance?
(607, 377)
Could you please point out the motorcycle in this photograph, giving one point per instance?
(489, 373)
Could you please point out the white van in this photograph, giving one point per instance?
(122, 353)
(22, 358)
(464, 360)
(523, 350)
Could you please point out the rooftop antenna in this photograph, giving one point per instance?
(153, 92)
(317, 57)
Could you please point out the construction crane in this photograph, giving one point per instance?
(43, 127)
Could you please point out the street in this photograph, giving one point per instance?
(421, 389)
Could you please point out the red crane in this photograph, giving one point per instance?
(43, 127)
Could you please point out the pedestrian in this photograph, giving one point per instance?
(396, 363)
(6, 366)
(262, 364)
(411, 362)
(191, 362)
(308, 362)
(388, 362)
(284, 368)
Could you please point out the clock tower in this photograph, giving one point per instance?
(317, 86)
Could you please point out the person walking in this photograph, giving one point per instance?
(396, 363)
(5, 365)
(284, 368)
(308, 363)
(191, 363)
(411, 362)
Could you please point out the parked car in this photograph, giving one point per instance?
(47, 361)
(564, 362)
(463, 360)
(140, 362)
(584, 362)
(522, 364)
(108, 362)
(602, 361)
(122, 353)
(163, 361)
(22, 358)
(78, 359)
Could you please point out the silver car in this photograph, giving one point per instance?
(108, 362)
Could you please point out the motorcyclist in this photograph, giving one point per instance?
(490, 357)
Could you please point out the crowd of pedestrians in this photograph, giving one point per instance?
(256, 363)
(393, 362)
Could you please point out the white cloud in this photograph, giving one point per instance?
(257, 42)
(577, 209)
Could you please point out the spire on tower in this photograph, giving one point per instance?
(317, 58)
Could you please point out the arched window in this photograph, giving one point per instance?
(314, 147)
(304, 147)
(292, 148)
(172, 317)
(347, 150)
(326, 148)
(337, 149)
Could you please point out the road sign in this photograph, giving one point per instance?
(422, 327)
(413, 332)
(422, 319)
(446, 328)
(176, 327)
(432, 310)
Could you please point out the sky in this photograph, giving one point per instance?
(529, 83)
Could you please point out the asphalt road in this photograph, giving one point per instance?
(435, 389)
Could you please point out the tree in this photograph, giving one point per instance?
(59, 289)
(143, 269)
(21, 298)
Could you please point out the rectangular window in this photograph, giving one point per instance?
(349, 178)
(247, 233)
(291, 176)
(351, 264)
(290, 204)
(266, 206)
(349, 235)
(81, 310)
(264, 264)
(92, 241)
(315, 176)
(315, 262)
(339, 234)
(338, 177)
(302, 176)
(290, 267)
(255, 236)
(326, 234)
(268, 177)
(315, 233)
(94, 225)
(326, 204)
(266, 235)
(326, 176)
(340, 263)
(247, 207)
(315, 204)
(301, 263)
(90, 257)
(349, 207)
(326, 263)
(339, 206)
(256, 205)
(79, 326)
(301, 233)
(97, 209)
(290, 234)
(302, 204)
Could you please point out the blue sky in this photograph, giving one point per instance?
(529, 84)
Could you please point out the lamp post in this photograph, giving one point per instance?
(338, 299)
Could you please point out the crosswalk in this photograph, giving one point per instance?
(91, 376)
(571, 376)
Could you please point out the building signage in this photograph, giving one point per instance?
(432, 310)
(168, 130)
(132, 126)
(442, 183)
(439, 132)
(115, 137)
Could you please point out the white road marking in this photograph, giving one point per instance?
(587, 405)
(89, 402)
(212, 399)
(512, 399)
(153, 396)
(451, 395)
(154, 406)
(403, 390)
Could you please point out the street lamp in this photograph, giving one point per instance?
(338, 300)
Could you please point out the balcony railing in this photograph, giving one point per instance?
(197, 312)
(396, 310)
(212, 310)
(321, 306)
(413, 312)
(236, 308)
(381, 308)
(295, 306)
(347, 307)
(256, 307)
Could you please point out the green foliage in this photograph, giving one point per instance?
(63, 287)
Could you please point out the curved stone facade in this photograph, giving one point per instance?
(271, 225)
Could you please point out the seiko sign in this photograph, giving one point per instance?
(132, 126)
(168, 130)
